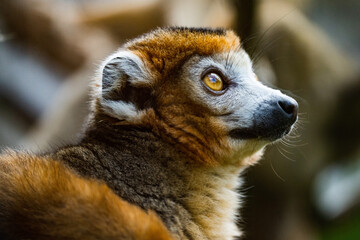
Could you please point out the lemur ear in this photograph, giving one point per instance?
(126, 86)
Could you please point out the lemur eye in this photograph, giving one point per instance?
(213, 81)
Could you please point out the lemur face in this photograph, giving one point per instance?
(195, 88)
(226, 84)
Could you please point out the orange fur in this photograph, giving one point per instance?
(165, 50)
(43, 199)
(195, 132)
(141, 106)
(198, 136)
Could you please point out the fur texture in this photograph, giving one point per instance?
(158, 143)
(43, 199)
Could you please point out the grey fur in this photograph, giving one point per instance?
(140, 168)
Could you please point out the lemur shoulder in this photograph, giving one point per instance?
(177, 114)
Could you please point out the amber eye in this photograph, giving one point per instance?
(213, 81)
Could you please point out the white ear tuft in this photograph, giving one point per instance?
(124, 63)
(125, 86)
(121, 110)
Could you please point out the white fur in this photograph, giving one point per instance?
(138, 75)
(122, 110)
(129, 67)
(241, 100)
(213, 202)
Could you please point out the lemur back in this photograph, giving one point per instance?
(177, 114)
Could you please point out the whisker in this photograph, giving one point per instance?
(262, 36)
(293, 141)
(258, 55)
(291, 153)
(284, 155)
(293, 145)
(272, 167)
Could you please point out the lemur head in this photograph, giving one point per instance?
(195, 88)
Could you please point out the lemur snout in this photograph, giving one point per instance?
(274, 117)
(289, 108)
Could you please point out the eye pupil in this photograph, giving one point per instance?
(213, 81)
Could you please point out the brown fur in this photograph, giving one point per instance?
(169, 160)
(194, 132)
(42, 199)
(166, 51)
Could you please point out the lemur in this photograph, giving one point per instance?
(177, 114)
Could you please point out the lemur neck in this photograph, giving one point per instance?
(213, 202)
(194, 201)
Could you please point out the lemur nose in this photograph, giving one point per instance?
(289, 107)
(275, 116)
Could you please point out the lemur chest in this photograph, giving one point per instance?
(212, 201)
(194, 203)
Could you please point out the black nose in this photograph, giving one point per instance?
(289, 108)
(274, 118)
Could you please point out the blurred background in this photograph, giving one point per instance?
(306, 187)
